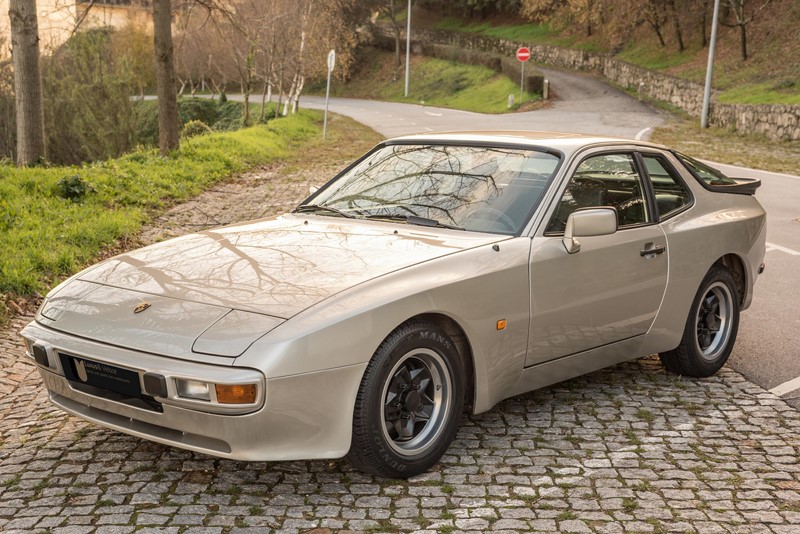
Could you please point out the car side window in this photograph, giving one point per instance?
(605, 180)
(670, 192)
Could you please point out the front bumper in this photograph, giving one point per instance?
(298, 417)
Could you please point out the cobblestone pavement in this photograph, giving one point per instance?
(626, 449)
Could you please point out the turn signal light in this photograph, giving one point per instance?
(501, 324)
(236, 393)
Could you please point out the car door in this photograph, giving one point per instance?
(611, 289)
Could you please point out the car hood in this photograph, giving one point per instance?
(217, 292)
(280, 266)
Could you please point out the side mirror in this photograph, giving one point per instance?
(587, 223)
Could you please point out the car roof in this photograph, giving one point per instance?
(563, 141)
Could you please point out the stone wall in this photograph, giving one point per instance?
(778, 122)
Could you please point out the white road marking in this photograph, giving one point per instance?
(413, 124)
(786, 387)
(432, 114)
(773, 246)
(642, 133)
(429, 129)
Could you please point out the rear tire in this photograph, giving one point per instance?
(710, 331)
(409, 403)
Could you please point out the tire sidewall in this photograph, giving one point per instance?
(709, 367)
(420, 336)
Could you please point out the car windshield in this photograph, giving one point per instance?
(485, 189)
(701, 171)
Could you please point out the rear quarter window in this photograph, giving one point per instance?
(705, 173)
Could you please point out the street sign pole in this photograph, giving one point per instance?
(408, 45)
(710, 67)
(331, 62)
(523, 55)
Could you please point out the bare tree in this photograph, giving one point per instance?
(27, 81)
(739, 9)
(676, 24)
(388, 8)
(168, 121)
(654, 16)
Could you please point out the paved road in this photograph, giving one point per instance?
(585, 105)
(767, 351)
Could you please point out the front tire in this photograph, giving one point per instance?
(711, 328)
(409, 403)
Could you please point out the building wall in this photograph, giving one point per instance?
(58, 18)
(56, 22)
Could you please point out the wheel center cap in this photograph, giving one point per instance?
(412, 401)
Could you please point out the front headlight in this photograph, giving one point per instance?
(193, 389)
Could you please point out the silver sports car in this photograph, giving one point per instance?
(436, 274)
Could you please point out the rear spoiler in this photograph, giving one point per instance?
(743, 186)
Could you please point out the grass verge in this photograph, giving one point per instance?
(725, 146)
(54, 220)
(433, 82)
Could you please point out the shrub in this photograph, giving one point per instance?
(194, 128)
(221, 116)
(87, 89)
(73, 188)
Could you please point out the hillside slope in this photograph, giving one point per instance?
(771, 74)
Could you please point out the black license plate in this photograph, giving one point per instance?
(101, 375)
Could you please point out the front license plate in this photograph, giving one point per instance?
(101, 375)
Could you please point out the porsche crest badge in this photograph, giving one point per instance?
(141, 307)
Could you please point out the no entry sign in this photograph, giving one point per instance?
(523, 54)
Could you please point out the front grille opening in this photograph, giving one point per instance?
(144, 402)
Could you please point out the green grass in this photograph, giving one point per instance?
(762, 93)
(655, 57)
(528, 33)
(434, 82)
(46, 237)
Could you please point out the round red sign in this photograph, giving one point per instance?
(523, 54)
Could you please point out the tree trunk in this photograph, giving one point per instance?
(168, 121)
(743, 35)
(676, 24)
(703, 22)
(289, 96)
(265, 94)
(296, 99)
(27, 81)
(589, 9)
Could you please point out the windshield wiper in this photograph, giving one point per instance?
(316, 208)
(425, 221)
(415, 219)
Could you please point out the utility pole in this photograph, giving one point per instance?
(408, 43)
(710, 67)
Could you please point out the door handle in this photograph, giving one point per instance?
(649, 249)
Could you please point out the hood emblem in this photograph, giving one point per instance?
(141, 307)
